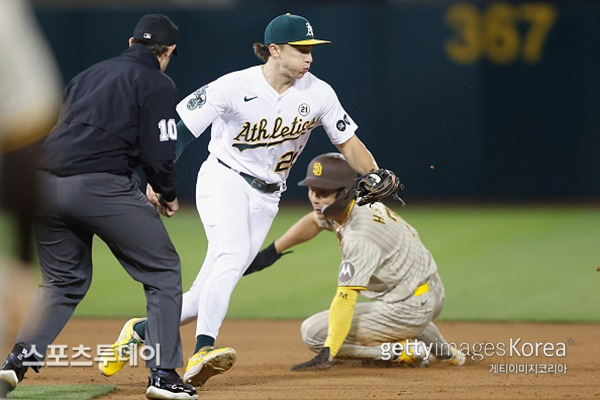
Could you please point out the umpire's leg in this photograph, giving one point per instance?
(134, 232)
(66, 265)
(64, 250)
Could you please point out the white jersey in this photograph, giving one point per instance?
(259, 131)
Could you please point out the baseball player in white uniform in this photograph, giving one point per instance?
(261, 120)
(384, 260)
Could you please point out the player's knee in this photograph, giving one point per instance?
(233, 260)
(310, 334)
(70, 291)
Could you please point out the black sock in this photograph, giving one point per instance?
(140, 329)
(203, 340)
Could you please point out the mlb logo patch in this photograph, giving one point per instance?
(147, 35)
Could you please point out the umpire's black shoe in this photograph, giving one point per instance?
(166, 384)
(13, 370)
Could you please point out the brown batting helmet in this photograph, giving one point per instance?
(332, 171)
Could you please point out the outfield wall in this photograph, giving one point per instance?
(482, 100)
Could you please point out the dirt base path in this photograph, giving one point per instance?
(267, 350)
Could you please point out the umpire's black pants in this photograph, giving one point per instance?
(71, 211)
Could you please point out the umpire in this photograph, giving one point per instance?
(117, 115)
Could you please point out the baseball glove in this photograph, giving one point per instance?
(317, 363)
(377, 185)
(265, 258)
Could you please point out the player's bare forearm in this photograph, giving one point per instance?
(303, 230)
(357, 155)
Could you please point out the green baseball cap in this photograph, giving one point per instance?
(291, 29)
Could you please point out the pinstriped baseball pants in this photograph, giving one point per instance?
(379, 322)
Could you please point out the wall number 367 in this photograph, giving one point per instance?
(502, 32)
(168, 130)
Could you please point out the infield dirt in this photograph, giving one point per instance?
(267, 350)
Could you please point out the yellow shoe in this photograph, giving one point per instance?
(114, 359)
(413, 354)
(207, 362)
(457, 359)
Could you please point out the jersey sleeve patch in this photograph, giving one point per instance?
(342, 123)
(346, 272)
(198, 100)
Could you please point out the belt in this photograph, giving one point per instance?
(256, 183)
(424, 288)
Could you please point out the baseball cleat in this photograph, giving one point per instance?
(456, 359)
(114, 359)
(8, 382)
(413, 354)
(166, 384)
(12, 372)
(207, 362)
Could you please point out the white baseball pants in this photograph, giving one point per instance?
(236, 219)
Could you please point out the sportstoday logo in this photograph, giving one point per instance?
(61, 355)
(530, 355)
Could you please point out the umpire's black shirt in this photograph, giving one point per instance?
(116, 115)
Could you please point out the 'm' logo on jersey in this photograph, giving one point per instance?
(256, 135)
(346, 272)
(198, 100)
(317, 169)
